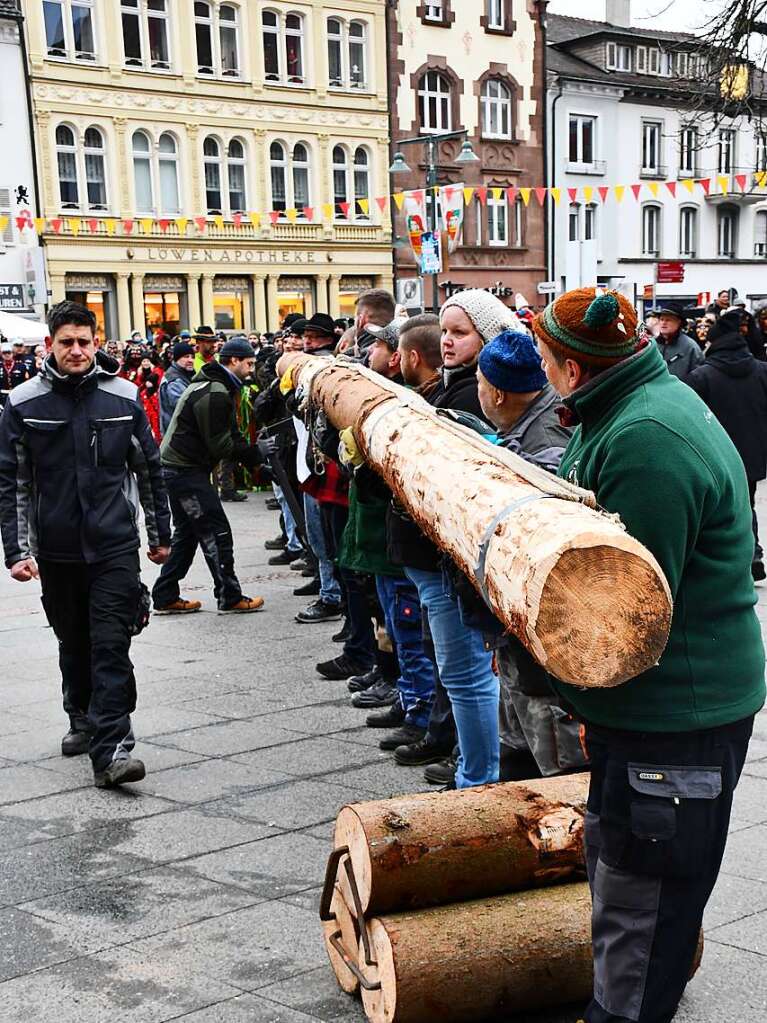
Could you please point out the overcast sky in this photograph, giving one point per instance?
(679, 15)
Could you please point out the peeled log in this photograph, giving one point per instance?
(433, 848)
(589, 602)
(346, 922)
(485, 959)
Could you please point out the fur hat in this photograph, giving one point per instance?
(511, 362)
(591, 325)
(488, 314)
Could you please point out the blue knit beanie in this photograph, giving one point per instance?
(511, 362)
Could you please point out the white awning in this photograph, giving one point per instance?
(19, 327)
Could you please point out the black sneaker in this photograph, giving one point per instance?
(405, 736)
(119, 772)
(75, 743)
(231, 496)
(319, 611)
(358, 683)
(392, 717)
(421, 752)
(310, 589)
(273, 504)
(343, 633)
(382, 694)
(757, 571)
(299, 564)
(277, 544)
(285, 558)
(442, 773)
(339, 668)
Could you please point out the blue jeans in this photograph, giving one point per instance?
(465, 669)
(402, 612)
(330, 591)
(294, 544)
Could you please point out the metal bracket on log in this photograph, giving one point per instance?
(331, 876)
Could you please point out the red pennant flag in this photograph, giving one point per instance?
(636, 189)
(481, 194)
(128, 226)
(741, 180)
(201, 223)
(671, 186)
(93, 225)
(383, 201)
(21, 223)
(573, 193)
(705, 184)
(274, 216)
(237, 219)
(308, 212)
(540, 195)
(57, 225)
(604, 191)
(164, 225)
(511, 194)
(345, 207)
(419, 195)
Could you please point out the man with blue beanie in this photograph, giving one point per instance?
(537, 736)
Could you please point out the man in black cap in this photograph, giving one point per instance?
(175, 381)
(319, 334)
(680, 353)
(202, 433)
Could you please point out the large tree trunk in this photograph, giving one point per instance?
(589, 602)
(484, 959)
(433, 848)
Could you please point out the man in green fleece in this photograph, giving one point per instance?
(667, 747)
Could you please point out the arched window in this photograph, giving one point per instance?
(66, 159)
(235, 171)
(496, 110)
(688, 231)
(216, 31)
(340, 179)
(574, 222)
(278, 166)
(291, 189)
(760, 242)
(211, 157)
(283, 42)
(95, 172)
(142, 172)
(727, 231)
(651, 227)
(335, 36)
(300, 164)
(361, 181)
(167, 157)
(434, 102)
(357, 63)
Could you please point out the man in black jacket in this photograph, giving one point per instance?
(202, 433)
(734, 386)
(76, 457)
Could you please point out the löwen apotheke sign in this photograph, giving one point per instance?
(12, 296)
(258, 257)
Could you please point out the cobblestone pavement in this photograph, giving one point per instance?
(194, 895)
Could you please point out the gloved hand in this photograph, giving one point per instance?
(267, 447)
(348, 452)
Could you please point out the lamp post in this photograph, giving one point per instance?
(431, 142)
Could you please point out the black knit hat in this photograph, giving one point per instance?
(182, 348)
(237, 348)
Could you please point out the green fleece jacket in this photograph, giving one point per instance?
(653, 453)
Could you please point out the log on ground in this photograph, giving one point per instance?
(342, 935)
(588, 601)
(438, 847)
(486, 959)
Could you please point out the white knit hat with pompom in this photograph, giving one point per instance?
(488, 314)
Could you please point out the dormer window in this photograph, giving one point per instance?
(618, 57)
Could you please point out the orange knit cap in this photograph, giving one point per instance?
(591, 325)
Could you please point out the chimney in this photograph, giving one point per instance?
(618, 13)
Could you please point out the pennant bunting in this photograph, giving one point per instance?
(540, 195)
(724, 184)
(111, 225)
(274, 216)
(5, 220)
(636, 189)
(39, 224)
(604, 191)
(383, 202)
(255, 219)
(654, 188)
(761, 178)
(93, 225)
(364, 205)
(689, 184)
(308, 213)
(619, 191)
(128, 226)
(327, 210)
(399, 199)
(181, 225)
(237, 219)
(218, 220)
(497, 193)
(556, 195)
(201, 223)
(525, 193)
(705, 184)
(164, 224)
(419, 194)
(481, 194)
(346, 206)
(74, 225)
(56, 224)
(588, 194)
(671, 186)
(292, 214)
(511, 193)
(741, 180)
(22, 222)
(573, 193)
(147, 223)
(468, 195)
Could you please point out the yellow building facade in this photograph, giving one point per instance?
(211, 162)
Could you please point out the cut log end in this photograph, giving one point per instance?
(593, 629)
(346, 923)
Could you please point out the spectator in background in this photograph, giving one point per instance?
(722, 303)
(175, 381)
(752, 334)
(22, 354)
(651, 322)
(680, 353)
(734, 386)
(206, 341)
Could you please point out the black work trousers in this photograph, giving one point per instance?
(758, 552)
(360, 647)
(656, 829)
(198, 520)
(91, 609)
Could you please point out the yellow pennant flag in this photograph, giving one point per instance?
(39, 224)
(588, 194)
(327, 210)
(399, 198)
(724, 184)
(761, 178)
(525, 193)
(364, 205)
(689, 184)
(654, 187)
(147, 223)
(292, 215)
(497, 193)
(218, 220)
(4, 223)
(74, 225)
(111, 225)
(468, 194)
(181, 225)
(556, 195)
(255, 219)
(619, 191)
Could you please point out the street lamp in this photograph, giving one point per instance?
(431, 141)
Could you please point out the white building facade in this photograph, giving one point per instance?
(22, 280)
(617, 118)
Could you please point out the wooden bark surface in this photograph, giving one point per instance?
(589, 602)
(485, 959)
(345, 922)
(433, 848)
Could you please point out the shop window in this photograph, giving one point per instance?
(145, 34)
(217, 36)
(162, 311)
(81, 167)
(434, 102)
(283, 43)
(496, 110)
(69, 29)
(229, 299)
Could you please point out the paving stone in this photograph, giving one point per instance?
(28, 943)
(730, 987)
(317, 994)
(749, 933)
(244, 1009)
(362, 735)
(157, 758)
(16, 833)
(745, 854)
(749, 803)
(196, 783)
(27, 781)
(323, 720)
(295, 804)
(34, 743)
(309, 898)
(385, 779)
(310, 756)
(151, 721)
(86, 808)
(228, 737)
(732, 899)
(271, 867)
(148, 902)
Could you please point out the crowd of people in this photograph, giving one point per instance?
(581, 389)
